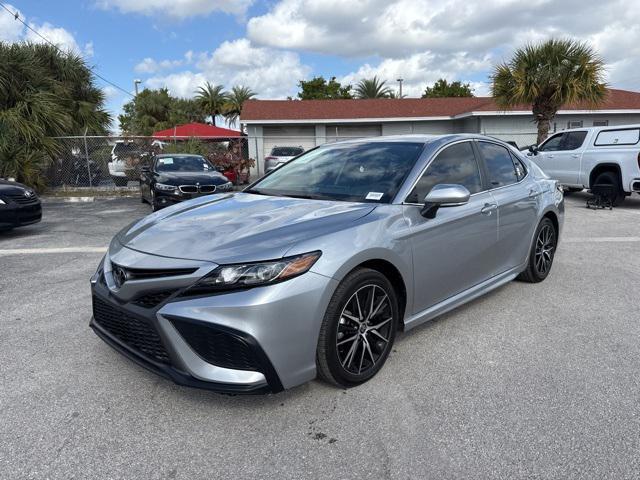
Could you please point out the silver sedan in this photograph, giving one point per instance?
(314, 268)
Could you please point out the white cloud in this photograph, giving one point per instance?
(11, 30)
(455, 34)
(422, 69)
(58, 36)
(149, 65)
(178, 8)
(269, 72)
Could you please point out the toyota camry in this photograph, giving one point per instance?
(312, 270)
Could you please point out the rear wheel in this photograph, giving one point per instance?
(611, 178)
(542, 252)
(358, 329)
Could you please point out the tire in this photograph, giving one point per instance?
(347, 363)
(538, 269)
(152, 202)
(142, 199)
(611, 178)
(120, 181)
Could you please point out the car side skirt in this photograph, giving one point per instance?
(462, 297)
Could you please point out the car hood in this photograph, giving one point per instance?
(238, 227)
(8, 187)
(191, 178)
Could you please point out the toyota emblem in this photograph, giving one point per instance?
(119, 276)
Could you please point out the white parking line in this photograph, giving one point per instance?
(31, 251)
(600, 239)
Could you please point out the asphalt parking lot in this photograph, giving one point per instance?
(530, 381)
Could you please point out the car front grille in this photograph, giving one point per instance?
(217, 347)
(151, 300)
(197, 188)
(132, 331)
(20, 199)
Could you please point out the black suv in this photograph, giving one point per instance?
(19, 205)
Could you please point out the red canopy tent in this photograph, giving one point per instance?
(198, 130)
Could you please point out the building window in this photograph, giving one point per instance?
(575, 124)
(601, 123)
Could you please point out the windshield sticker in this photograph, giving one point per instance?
(374, 196)
(166, 161)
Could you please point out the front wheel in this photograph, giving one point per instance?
(542, 252)
(358, 329)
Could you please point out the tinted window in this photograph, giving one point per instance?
(573, 140)
(286, 151)
(455, 164)
(499, 164)
(629, 136)
(521, 170)
(371, 171)
(553, 143)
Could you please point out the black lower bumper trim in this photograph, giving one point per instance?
(171, 373)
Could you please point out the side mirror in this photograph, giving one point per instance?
(444, 195)
(533, 149)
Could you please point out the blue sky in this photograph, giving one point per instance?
(269, 46)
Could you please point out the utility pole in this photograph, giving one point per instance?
(136, 82)
(400, 80)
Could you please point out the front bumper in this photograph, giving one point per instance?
(252, 341)
(163, 199)
(18, 215)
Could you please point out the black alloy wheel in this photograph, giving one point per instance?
(358, 329)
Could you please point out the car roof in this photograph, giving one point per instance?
(603, 127)
(170, 155)
(417, 138)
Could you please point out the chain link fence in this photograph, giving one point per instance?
(110, 163)
(113, 163)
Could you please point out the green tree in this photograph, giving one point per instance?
(319, 89)
(547, 76)
(153, 110)
(442, 88)
(235, 100)
(212, 99)
(373, 88)
(44, 93)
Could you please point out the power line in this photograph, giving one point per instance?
(16, 16)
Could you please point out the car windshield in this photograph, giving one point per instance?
(286, 151)
(352, 172)
(183, 164)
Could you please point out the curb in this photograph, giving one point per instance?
(67, 199)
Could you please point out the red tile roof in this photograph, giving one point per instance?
(196, 130)
(255, 110)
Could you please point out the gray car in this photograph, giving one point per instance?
(312, 269)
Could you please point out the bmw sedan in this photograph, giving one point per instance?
(173, 178)
(313, 269)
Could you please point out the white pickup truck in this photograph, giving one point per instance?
(582, 157)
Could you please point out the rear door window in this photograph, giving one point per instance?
(499, 163)
(627, 136)
(573, 140)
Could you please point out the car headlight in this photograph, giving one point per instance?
(225, 186)
(2, 202)
(165, 188)
(247, 275)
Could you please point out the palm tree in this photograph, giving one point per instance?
(547, 76)
(212, 99)
(236, 98)
(44, 93)
(372, 88)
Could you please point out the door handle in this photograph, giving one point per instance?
(549, 156)
(534, 193)
(488, 208)
(575, 155)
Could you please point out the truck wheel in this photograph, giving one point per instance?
(610, 178)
